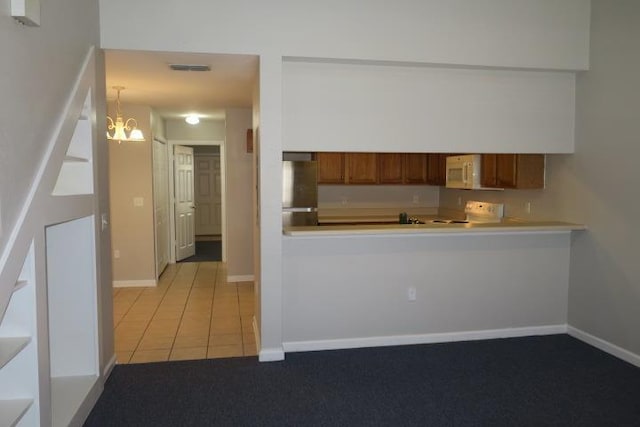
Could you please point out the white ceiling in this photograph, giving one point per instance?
(148, 80)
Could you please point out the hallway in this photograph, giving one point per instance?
(193, 313)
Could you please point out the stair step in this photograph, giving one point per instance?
(20, 284)
(11, 411)
(10, 347)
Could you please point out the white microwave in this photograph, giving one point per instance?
(465, 172)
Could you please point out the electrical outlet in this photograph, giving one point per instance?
(344, 200)
(411, 293)
(416, 199)
(116, 253)
(527, 207)
(138, 202)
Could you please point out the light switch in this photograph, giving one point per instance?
(104, 221)
(138, 202)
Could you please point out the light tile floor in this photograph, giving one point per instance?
(193, 313)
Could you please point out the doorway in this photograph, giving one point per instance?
(205, 307)
(198, 189)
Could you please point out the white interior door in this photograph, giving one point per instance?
(185, 205)
(208, 195)
(161, 205)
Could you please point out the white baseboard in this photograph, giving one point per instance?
(134, 283)
(87, 404)
(266, 354)
(107, 369)
(240, 278)
(605, 346)
(294, 346)
(271, 354)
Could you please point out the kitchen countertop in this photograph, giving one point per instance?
(371, 225)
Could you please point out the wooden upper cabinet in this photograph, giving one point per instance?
(489, 173)
(529, 171)
(513, 170)
(498, 170)
(437, 168)
(330, 168)
(362, 168)
(390, 168)
(415, 168)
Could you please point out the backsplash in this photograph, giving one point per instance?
(525, 204)
(541, 204)
(377, 196)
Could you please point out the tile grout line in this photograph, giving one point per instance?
(213, 296)
(128, 310)
(164, 294)
(120, 321)
(184, 308)
(240, 319)
(216, 288)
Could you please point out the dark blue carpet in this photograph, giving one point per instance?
(206, 251)
(534, 381)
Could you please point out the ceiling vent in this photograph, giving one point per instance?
(189, 67)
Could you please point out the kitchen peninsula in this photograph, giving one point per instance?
(387, 284)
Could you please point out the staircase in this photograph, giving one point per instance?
(49, 328)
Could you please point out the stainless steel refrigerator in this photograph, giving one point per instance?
(299, 193)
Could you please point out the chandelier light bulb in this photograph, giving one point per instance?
(120, 127)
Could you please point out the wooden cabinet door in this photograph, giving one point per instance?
(362, 168)
(529, 171)
(506, 171)
(390, 167)
(415, 168)
(330, 168)
(437, 169)
(489, 172)
(513, 170)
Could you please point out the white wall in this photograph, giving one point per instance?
(365, 107)
(206, 130)
(353, 290)
(132, 226)
(158, 126)
(598, 184)
(239, 195)
(38, 69)
(546, 34)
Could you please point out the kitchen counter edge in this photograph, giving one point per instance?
(418, 229)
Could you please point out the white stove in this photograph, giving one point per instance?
(484, 212)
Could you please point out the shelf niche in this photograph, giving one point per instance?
(73, 325)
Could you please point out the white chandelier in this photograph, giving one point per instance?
(121, 127)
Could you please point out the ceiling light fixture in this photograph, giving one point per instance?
(192, 119)
(121, 127)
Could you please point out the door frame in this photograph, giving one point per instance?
(168, 201)
(172, 200)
